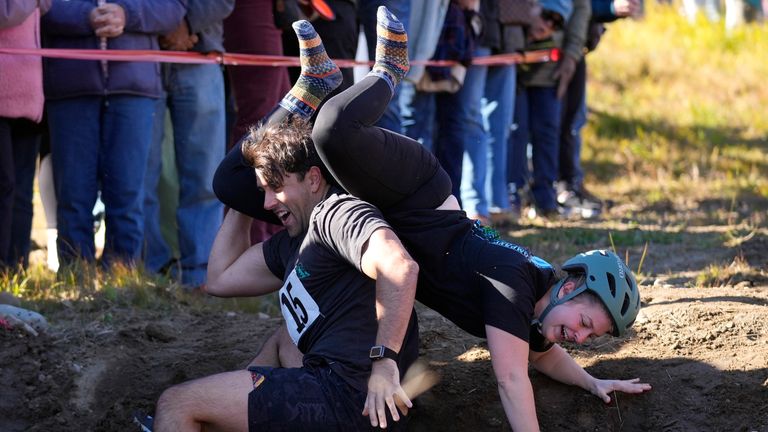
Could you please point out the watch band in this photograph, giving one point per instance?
(379, 352)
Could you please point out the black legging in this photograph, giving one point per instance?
(389, 170)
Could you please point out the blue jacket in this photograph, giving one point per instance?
(67, 25)
(205, 18)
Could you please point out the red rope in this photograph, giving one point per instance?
(235, 59)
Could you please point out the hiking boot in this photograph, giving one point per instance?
(578, 202)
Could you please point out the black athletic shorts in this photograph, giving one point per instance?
(306, 399)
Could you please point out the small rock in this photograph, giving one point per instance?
(642, 318)
(262, 315)
(743, 284)
(231, 314)
(161, 332)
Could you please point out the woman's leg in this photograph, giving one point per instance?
(234, 181)
(386, 169)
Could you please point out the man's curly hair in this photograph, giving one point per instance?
(280, 148)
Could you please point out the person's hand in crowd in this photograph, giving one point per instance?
(625, 8)
(179, 39)
(108, 20)
(540, 29)
(564, 73)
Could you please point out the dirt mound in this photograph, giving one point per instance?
(705, 351)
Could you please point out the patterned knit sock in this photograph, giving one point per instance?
(319, 74)
(391, 48)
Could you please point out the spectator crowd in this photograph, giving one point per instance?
(137, 143)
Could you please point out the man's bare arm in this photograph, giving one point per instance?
(235, 268)
(386, 260)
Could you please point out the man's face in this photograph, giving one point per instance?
(576, 320)
(292, 202)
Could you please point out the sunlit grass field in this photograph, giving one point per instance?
(678, 110)
(678, 121)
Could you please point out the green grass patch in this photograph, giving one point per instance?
(88, 287)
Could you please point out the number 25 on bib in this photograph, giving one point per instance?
(299, 308)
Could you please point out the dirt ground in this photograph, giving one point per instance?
(704, 350)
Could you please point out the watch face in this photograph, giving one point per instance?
(376, 352)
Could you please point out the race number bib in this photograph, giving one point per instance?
(298, 307)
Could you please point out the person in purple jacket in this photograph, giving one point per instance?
(100, 116)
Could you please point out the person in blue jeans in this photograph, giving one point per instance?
(194, 94)
(100, 116)
(572, 194)
(436, 114)
(537, 105)
(417, 109)
(366, 13)
(484, 171)
(537, 115)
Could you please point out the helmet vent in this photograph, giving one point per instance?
(625, 305)
(629, 281)
(611, 284)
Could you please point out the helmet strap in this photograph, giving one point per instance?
(555, 301)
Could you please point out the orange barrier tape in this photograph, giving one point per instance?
(235, 59)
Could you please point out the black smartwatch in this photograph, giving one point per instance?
(379, 352)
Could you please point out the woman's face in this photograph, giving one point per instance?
(576, 320)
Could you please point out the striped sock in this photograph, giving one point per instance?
(391, 48)
(319, 74)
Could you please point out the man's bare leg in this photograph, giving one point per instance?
(216, 402)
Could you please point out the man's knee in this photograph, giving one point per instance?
(179, 398)
(174, 408)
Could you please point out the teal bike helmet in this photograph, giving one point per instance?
(608, 278)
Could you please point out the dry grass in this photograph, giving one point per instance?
(678, 110)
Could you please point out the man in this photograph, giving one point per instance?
(337, 265)
(194, 95)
